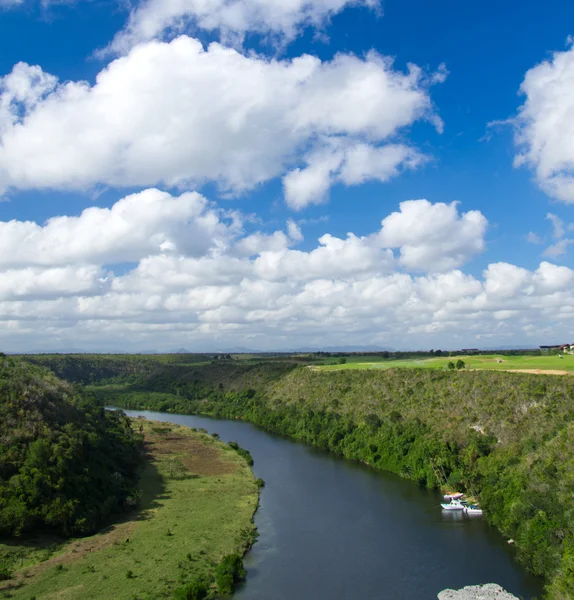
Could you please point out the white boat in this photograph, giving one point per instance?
(453, 496)
(472, 509)
(453, 505)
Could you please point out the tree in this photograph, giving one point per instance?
(460, 364)
(451, 365)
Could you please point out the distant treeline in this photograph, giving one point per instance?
(503, 437)
(66, 464)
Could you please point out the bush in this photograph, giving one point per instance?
(242, 452)
(5, 573)
(259, 483)
(196, 590)
(229, 572)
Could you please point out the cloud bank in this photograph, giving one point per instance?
(158, 271)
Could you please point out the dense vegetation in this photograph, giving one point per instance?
(193, 523)
(503, 437)
(109, 368)
(66, 465)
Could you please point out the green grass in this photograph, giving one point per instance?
(199, 497)
(489, 362)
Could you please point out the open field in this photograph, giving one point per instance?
(198, 500)
(550, 364)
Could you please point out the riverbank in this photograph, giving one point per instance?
(502, 437)
(197, 505)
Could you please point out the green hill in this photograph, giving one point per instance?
(66, 465)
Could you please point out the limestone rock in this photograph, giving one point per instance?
(490, 591)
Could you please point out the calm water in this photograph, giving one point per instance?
(331, 529)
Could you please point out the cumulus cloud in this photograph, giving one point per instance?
(351, 164)
(201, 280)
(433, 237)
(545, 125)
(58, 282)
(233, 19)
(181, 115)
(147, 223)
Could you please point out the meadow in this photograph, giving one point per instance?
(495, 362)
(197, 504)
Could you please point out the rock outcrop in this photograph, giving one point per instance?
(490, 591)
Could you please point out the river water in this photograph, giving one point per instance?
(332, 529)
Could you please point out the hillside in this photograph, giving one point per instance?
(503, 437)
(195, 514)
(66, 465)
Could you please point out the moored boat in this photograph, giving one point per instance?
(453, 505)
(473, 509)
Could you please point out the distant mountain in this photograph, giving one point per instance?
(345, 349)
(512, 347)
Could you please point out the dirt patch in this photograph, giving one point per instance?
(540, 371)
(76, 550)
(197, 456)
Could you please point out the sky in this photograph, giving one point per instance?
(219, 175)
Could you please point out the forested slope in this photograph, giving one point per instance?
(504, 437)
(66, 464)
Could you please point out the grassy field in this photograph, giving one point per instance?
(490, 362)
(198, 500)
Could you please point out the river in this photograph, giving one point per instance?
(332, 529)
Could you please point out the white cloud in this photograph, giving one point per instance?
(545, 125)
(147, 223)
(433, 237)
(233, 19)
(36, 283)
(178, 114)
(351, 164)
(252, 289)
(558, 249)
(10, 3)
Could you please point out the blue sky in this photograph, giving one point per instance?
(487, 49)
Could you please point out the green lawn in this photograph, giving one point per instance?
(545, 363)
(199, 497)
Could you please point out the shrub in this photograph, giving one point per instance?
(242, 452)
(5, 573)
(196, 590)
(229, 572)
